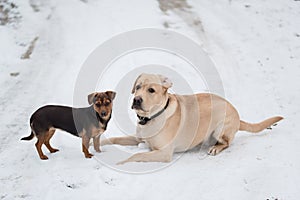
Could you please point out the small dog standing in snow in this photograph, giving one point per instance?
(171, 123)
(89, 122)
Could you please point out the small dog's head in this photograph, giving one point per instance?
(150, 93)
(102, 102)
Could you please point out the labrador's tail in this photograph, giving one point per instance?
(257, 127)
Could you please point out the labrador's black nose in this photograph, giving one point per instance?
(137, 101)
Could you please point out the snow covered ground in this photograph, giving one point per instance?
(255, 45)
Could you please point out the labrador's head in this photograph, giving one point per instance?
(150, 93)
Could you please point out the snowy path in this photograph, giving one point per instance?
(256, 47)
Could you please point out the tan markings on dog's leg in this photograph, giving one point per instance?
(38, 145)
(164, 155)
(48, 136)
(96, 141)
(85, 146)
(126, 140)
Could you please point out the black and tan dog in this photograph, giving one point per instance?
(89, 122)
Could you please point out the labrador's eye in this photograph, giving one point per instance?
(151, 90)
(138, 87)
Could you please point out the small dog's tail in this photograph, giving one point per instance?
(257, 127)
(28, 137)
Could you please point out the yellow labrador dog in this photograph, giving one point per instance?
(171, 123)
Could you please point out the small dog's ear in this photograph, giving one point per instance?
(165, 81)
(91, 97)
(134, 85)
(111, 94)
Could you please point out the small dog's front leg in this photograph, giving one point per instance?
(96, 141)
(85, 146)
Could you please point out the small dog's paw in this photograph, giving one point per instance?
(89, 155)
(98, 150)
(44, 157)
(54, 150)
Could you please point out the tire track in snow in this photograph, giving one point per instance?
(183, 10)
(20, 94)
(188, 14)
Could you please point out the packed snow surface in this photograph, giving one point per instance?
(255, 46)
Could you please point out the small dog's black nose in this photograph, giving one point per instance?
(103, 114)
(137, 101)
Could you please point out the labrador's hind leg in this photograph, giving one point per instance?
(224, 139)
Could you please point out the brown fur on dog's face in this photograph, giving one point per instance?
(102, 102)
(152, 90)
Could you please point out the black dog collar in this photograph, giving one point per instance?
(144, 120)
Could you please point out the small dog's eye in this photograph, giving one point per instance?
(98, 105)
(107, 103)
(151, 90)
(138, 87)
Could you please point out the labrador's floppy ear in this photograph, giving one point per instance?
(91, 97)
(134, 85)
(165, 81)
(111, 94)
